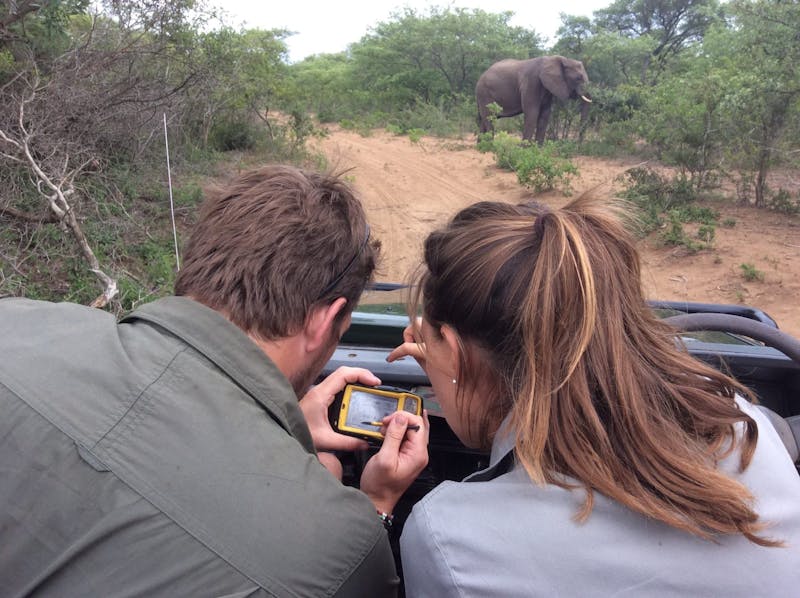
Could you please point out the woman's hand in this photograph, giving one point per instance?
(411, 347)
(401, 458)
(315, 403)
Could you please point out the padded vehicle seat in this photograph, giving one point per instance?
(788, 429)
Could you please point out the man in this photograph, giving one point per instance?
(167, 454)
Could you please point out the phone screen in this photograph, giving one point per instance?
(368, 407)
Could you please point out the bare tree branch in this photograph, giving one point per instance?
(61, 186)
(27, 216)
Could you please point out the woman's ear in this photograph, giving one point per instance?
(453, 345)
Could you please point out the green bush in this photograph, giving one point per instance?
(506, 149)
(706, 233)
(676, 236)
(543, 168)
(783, 202)
(485, 142)
(415, 135)
(540, 168)
(657, 195)
(235, 134)
(750, 273)
(674, 233)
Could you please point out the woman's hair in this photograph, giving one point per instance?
(548, 305)
(275, 242)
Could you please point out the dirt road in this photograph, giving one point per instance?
(410, 188)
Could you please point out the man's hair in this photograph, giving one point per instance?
(272, 244)
(597, 389)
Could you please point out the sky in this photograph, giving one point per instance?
(328, 26)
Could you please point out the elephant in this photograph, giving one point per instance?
(528, 86)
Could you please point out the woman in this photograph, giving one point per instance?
(619, 464)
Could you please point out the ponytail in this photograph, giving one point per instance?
(599, 394)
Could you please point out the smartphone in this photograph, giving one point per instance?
(359, 410)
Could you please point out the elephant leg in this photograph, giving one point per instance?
(531, 118)
(543, 120)
(485, 124)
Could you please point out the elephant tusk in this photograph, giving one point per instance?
(585, 99)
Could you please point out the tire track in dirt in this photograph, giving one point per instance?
(408, 188)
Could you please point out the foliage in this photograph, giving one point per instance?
(783, 202)
(758, 58)
(750, 273)
(674, 233)
(414, 58)
(666, 204)
(238, 76)
(680, 119)
(320, 84)
(670, 25)
(540, 168)
(86, 96)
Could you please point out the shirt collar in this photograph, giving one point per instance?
(503, 442)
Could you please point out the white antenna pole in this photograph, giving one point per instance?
(171, 204)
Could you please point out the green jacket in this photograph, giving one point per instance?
(165, 455)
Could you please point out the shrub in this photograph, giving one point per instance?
(543, 168)
(750, 273)
(415, 135)
(234, 134)
(706, 233)
(657, 195)
(540, 168)
(783, 202)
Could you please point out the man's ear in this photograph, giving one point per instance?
(453, 356)
(320, 324)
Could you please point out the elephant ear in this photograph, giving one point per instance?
(552, 77)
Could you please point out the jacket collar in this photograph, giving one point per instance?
(230, 349)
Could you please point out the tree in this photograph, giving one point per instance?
(320, 84)
(760, 56)
(78, 97)
(572, 35)
(680, 117)
(239, 76)
(435, 56)
(672, 25)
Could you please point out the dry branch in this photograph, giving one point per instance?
(28, 216)
(56, 187)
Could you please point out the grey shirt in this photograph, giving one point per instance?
(165, 456)
(505, 536)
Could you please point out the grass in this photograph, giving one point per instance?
(750, 273)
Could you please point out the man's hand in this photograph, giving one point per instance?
(401, 458)
(315, 409)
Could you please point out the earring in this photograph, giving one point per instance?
(454, 380)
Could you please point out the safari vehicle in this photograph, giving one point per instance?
(740, 340)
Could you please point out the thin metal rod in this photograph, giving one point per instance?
(171, 203)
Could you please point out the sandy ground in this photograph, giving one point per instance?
(410, 188)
